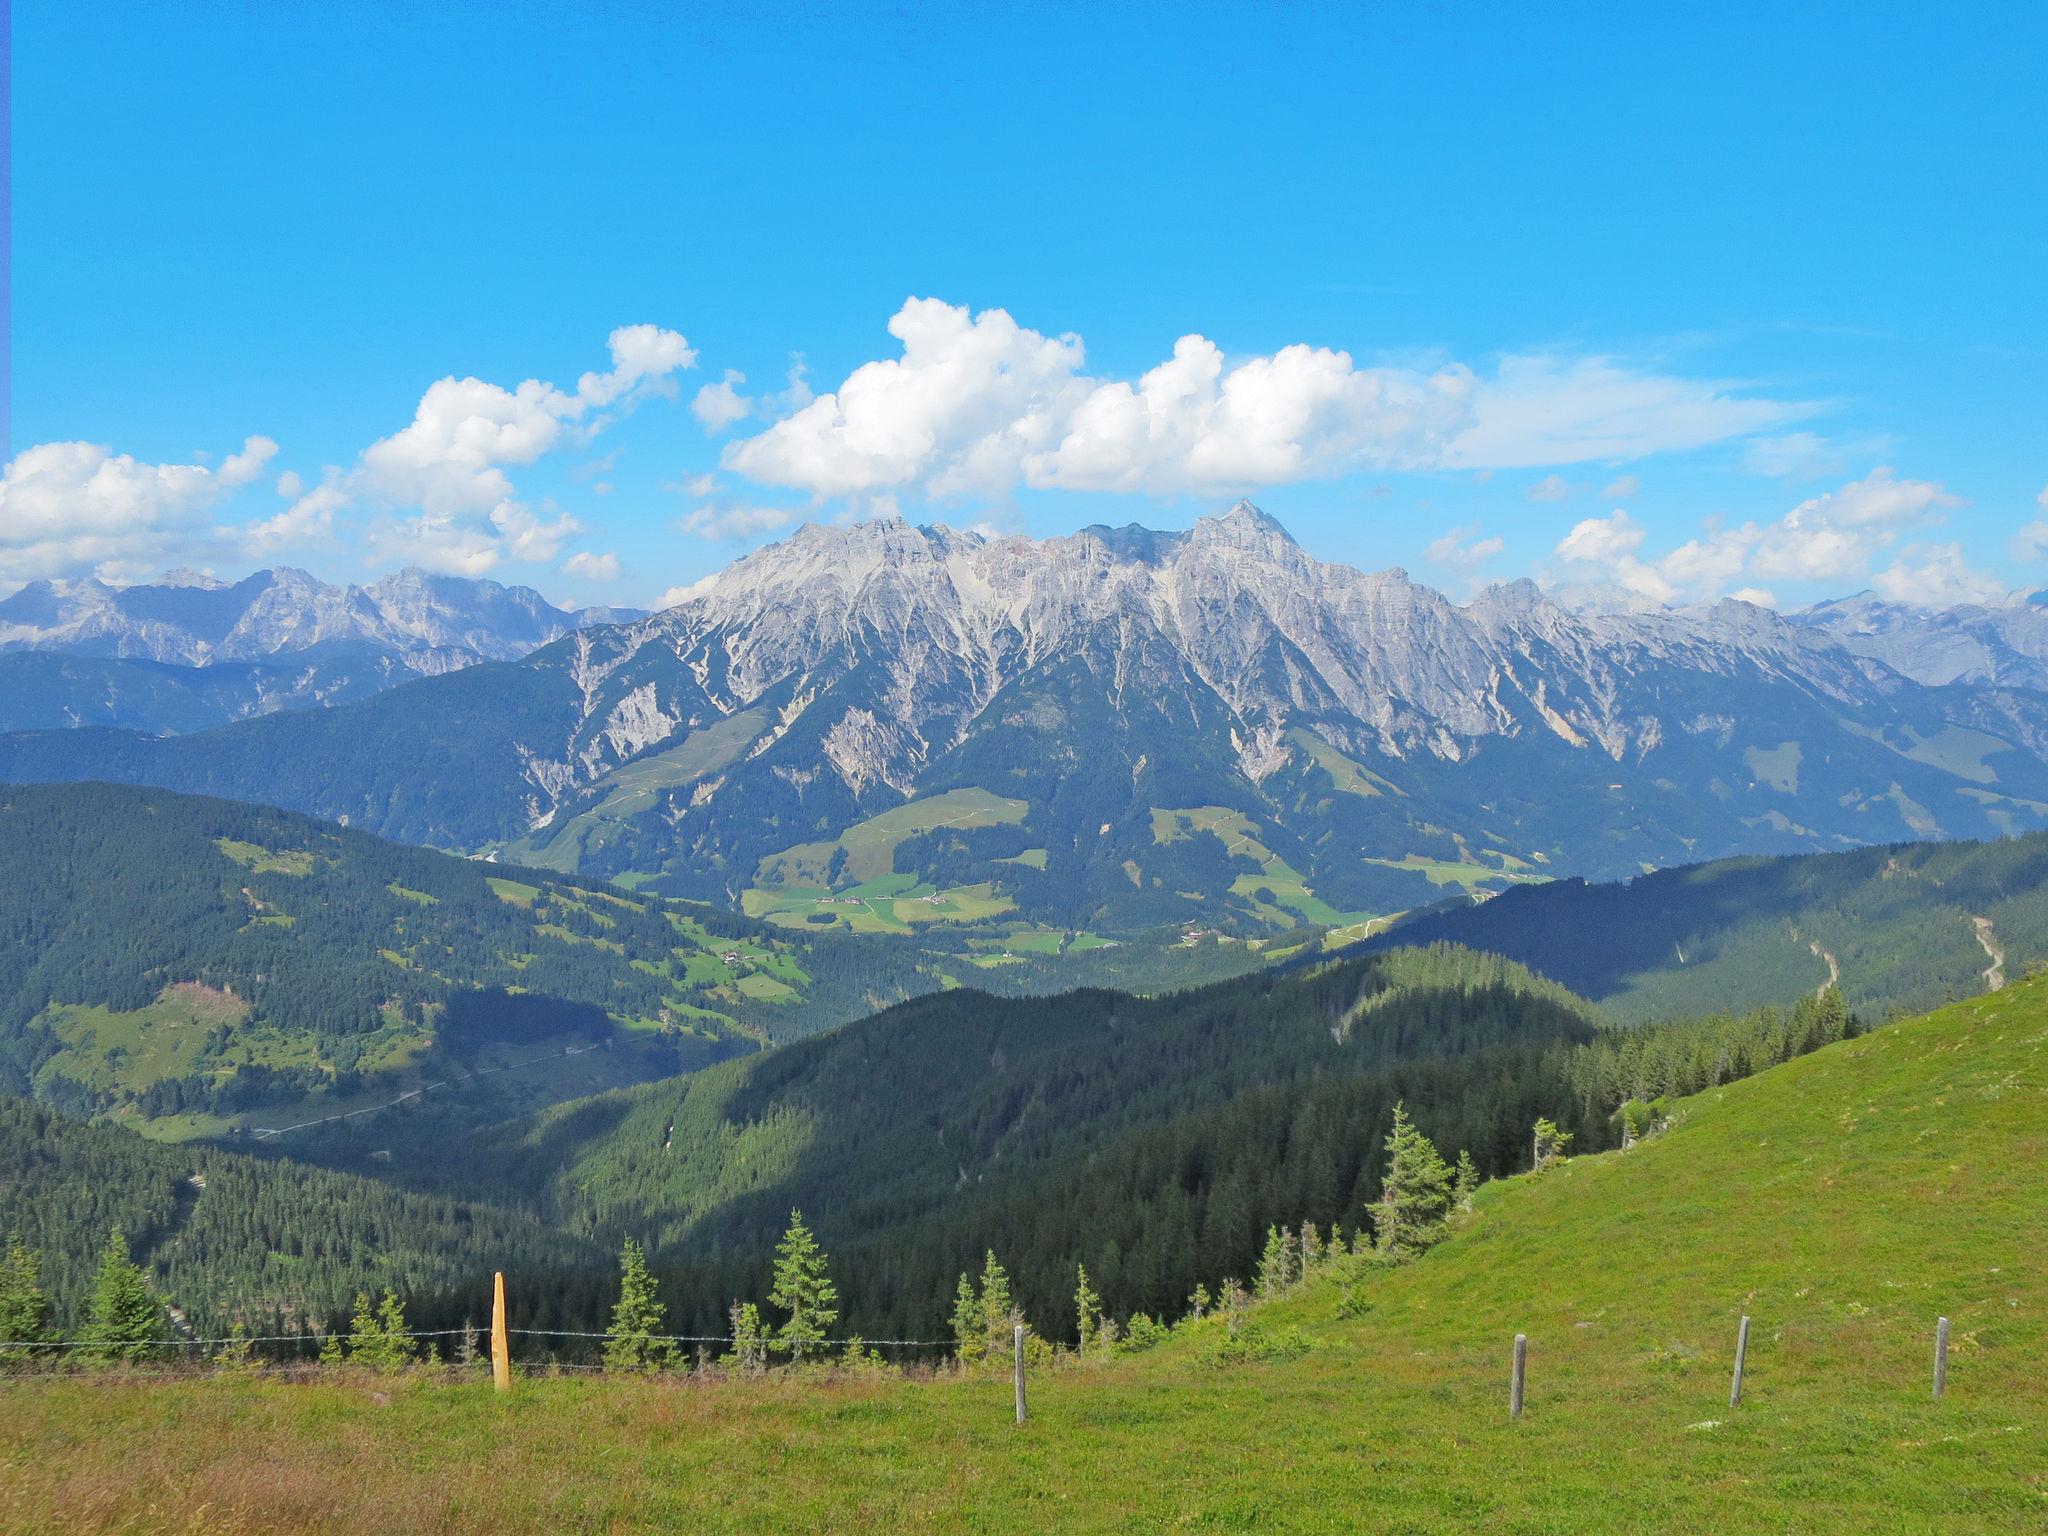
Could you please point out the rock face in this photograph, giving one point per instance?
(1126, 728)
(2005, 644)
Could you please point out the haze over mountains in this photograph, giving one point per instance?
(888, 727)
(277, 639)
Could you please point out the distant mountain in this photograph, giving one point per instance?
(278, 639)
(887, 728)
(1902, 927)
(2004, 644)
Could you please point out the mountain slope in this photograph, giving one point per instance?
(1843, 1201)
(1899, 927)
(2004, 644)
(892, 729)
(202, 966)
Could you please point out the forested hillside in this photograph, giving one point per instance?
(203, 967)
(276, 1246)
(1899, 927)
(1154, 1140)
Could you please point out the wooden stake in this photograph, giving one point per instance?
(1017, 1337)
(1521, 1371)
(501, 1339)
(1741, 1355)
(1940, 1356)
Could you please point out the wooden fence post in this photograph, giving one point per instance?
(1521, 1371)
(1741, 1355)
(1940, 1356)
(501, 1339)
(1017, 1337)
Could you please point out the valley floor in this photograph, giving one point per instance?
(1843, 1200)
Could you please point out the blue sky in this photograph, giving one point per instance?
(1694, 300)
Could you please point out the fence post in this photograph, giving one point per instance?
(1940, 1356)
(501, 1339)
(1521, 1370)
(1741, 1355)
(1017, 1338)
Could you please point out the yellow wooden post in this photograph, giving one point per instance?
(501, 1341)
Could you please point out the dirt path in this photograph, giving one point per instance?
(1994, 973)
(1834, 970)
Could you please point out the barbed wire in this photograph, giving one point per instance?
(441, 1333)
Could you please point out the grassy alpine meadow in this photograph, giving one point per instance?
(1843, 1201)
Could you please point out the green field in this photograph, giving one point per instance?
(1279, 893)
(1843, 1201)
(795, 888)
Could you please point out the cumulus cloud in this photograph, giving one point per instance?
(590, 567)
(1552, 487)
(1937, 576)
(976, 404)
(735, 521)
(67, 508)
(1461, 549)
(442, 481)
(1830, 537)
(1621, 488)
(718, 406)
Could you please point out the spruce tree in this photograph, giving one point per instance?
(1415, 1196)
(1466, 1182)
(1087, 1310)
(24, 1311)
(1549, 1144)
(638, 1319)
(998, 1313)
(804, 1290)
(126, 1321)
(1276, 1265)
(749, 1344)
(970, 1335)
(377, 1336)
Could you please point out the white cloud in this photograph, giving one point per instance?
(718, 406)
(308, 520)
(1793, 456)
(1762, 597)
(2031, 542)
(450, 462)
(1552, 487)
(590, 567)
(976, 404)
(1621, 488)
(66, 508)
(1831, 537)
(1543, 410)
(735, 521)
(1453, 550)
(1937, 576)
(289, 485)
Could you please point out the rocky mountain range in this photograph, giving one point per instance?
(190, 651)
(885, 726)
(2003, 644)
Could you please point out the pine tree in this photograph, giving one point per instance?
(1199, 1302)
(24, 1310)
(804, 1290)
(1415, 1195)
(749, 1344)
(1276, 1265)
(637, 1321)
(126, 1321)
(1465, 1184)
(970, 1335)
(377, 1336)
(998, 1312)
(1087, 1310)
(1550, 1144)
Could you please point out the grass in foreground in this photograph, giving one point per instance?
(1843, 1200)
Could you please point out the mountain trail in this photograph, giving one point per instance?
(1834, 970)
(1994, 973)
